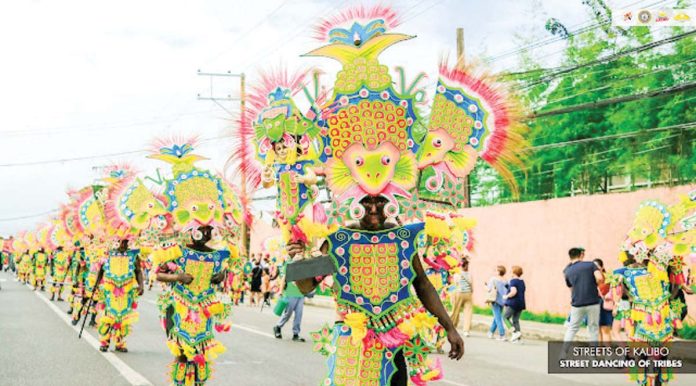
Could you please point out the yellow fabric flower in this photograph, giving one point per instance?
(357, 321)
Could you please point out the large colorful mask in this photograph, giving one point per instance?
(377, 145)
(194, 196)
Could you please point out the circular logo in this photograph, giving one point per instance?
(644, 16)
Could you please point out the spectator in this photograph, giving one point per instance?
(583, 278)
(295, 305)
(256, 282)
(496, 289)
(515, 303)
(606, 306)
(462, 297)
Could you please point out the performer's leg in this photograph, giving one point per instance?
(60, 292)
(400, 377)
(105, 331)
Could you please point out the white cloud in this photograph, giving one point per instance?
(84, 78)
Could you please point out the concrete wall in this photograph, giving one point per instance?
(537, 235)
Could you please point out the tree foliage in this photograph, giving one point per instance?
(634, 156)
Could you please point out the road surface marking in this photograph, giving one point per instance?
(452, 383)
(133, 377)
(252, 330)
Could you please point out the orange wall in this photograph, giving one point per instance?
(537, 235)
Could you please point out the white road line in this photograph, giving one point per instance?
(252, 330)
(133, 377)
(451, 383)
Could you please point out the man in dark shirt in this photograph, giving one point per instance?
(582, 277)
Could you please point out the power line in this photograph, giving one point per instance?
(28, 216)
(554, 39)
(93, 127)
(248, 31)
(610, 84)
(625, 98)
(98, 156)
(683, 126)
(610, 58)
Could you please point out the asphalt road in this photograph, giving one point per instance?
(38, 347)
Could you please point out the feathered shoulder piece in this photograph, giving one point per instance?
(473, 115)
(131, 206)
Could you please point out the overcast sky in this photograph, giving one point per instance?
(92, 78)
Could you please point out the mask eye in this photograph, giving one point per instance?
(437, 142)
(386, 160)
(359, 161)
(211, 206)
(194, 208)
(150, 205)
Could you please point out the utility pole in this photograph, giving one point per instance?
(246, 236)
(460, 66)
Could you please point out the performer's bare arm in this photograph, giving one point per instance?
(305, 285)
(431, 301)
(167, 277)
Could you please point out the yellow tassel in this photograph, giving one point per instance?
(174, 348)
(463, 223)
(408, 328)
(436, 225)
(357, 321)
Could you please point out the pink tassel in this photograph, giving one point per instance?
(369, 340)
(418, 381)
(222, 327)
(648, 318)
(117, 326)
(199, 359)
(171, 266)
(135, 305)
(206, 312)
(658, 317)
(392, 339)
(319, 213)
(118, 292)
(297, 236)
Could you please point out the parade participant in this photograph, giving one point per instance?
(385, 339)
(376, 151)
(122, 281)
(59, 271)
(78, 275)
(653, 254)
(191, 310)
(40, 263)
